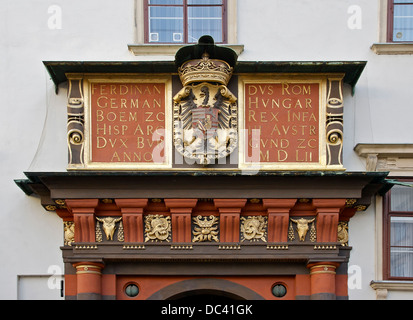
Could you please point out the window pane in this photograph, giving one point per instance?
(198, 2)
(403, 22)
(166, 24)
(401, 198)
(165, 2)
(204, 21)
(401, 232)
(401, 260)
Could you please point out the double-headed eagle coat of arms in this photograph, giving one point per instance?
(205, 111)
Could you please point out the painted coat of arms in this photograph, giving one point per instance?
(205, 111)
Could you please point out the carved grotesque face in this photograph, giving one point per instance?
(251, 229)
(160, 226)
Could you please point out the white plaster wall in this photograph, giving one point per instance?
(32, 116)
(362, 256)
(33, 122)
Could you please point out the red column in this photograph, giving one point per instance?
(83, 211)
(328, 211)
(132, 217)
(278, 218)
(181, 215)
(89, 282)
(230, 211)
(323, 280)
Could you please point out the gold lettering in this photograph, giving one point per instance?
(148, 157)
(99, 115)
(140, 143)
(313, 131)
(101, 142)
(134, 103)
(98, 102)
(122, 117)
(263, 116)
(155, 88)
(150, 114)
(138, 129)
(252, 116)
(284, 153)
(156, 103)
(288, 105)
(93, 88)
(276, 130)
(115, 155)
(133, 116)
(252, 90)
(158, 118)
(285, 87)
(123, 89)
(252, 102)
(99, 129)
(265, 157)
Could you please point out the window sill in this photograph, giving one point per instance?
(383, 287)
(169, 49)
(392, 285)
(393, 48)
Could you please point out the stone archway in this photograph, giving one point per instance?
(206, 289)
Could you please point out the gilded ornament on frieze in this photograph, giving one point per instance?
(109, 227)
(302, 228)
(206, 229)
(342, 233)
(254, 229)
(157, 228)
(69, 232)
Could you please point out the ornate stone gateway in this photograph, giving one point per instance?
(139, 226)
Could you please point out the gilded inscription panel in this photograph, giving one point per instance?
(284, 122)
(128, 123)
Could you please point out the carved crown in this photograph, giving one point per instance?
(205, 69)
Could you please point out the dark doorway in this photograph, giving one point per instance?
(207, 296)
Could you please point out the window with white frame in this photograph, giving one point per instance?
(400, 21)
(185, 21)
(399, 234)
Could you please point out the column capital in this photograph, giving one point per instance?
(323, 267)
(180, 205)
(230, 205)
(131, 203)
(324, 204)
(82, 205)
(88, 267)
(279, 203)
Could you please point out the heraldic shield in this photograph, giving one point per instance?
(205, 111)
(205, 131)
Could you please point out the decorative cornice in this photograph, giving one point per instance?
(387, 157)
(384, 149)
